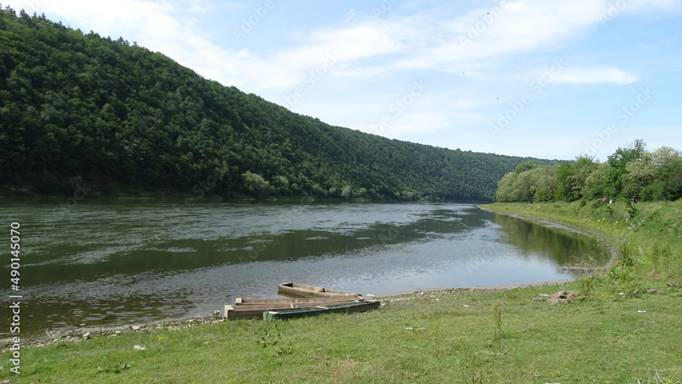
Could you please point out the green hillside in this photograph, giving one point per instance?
(81, 111)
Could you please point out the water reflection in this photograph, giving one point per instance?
(564, 247)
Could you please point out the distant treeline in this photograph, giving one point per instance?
(632, 173)
(80, 111)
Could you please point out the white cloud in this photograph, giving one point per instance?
(331, 49)
(467, 43)
(607, 75)
(517, 26)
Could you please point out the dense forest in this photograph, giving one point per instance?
(82, 111)
(631, 173)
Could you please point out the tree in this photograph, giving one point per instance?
(281, 184)
(526, 166)
(598, 184)
(504, 187)
(666, 183)
(619, 160)
(255, 183)
(565, 182)
(638, 174)
(545, 181)
(346, 191)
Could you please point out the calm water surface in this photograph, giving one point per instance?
(135, 261)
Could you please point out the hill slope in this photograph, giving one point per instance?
(80, 109)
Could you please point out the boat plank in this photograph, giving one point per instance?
(302, 300)
(358, 306)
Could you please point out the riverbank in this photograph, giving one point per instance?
(186, 198)
(622, 329)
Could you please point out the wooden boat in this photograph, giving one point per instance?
(352, 307)
(306, 298)
(305, 290)
(255, 310)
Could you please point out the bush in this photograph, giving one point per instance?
(255, 183)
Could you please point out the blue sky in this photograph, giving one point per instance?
(545, 78)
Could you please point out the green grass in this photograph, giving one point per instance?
(617, 332)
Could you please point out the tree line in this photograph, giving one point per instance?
(78, 110)
(631, 173)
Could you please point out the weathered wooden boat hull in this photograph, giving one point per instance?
(255, 311)
(305, 290)
(285, 314)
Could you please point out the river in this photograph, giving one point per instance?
(91, 264)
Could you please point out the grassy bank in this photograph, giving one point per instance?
(617, 333)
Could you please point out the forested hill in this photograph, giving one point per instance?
(81, 111)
